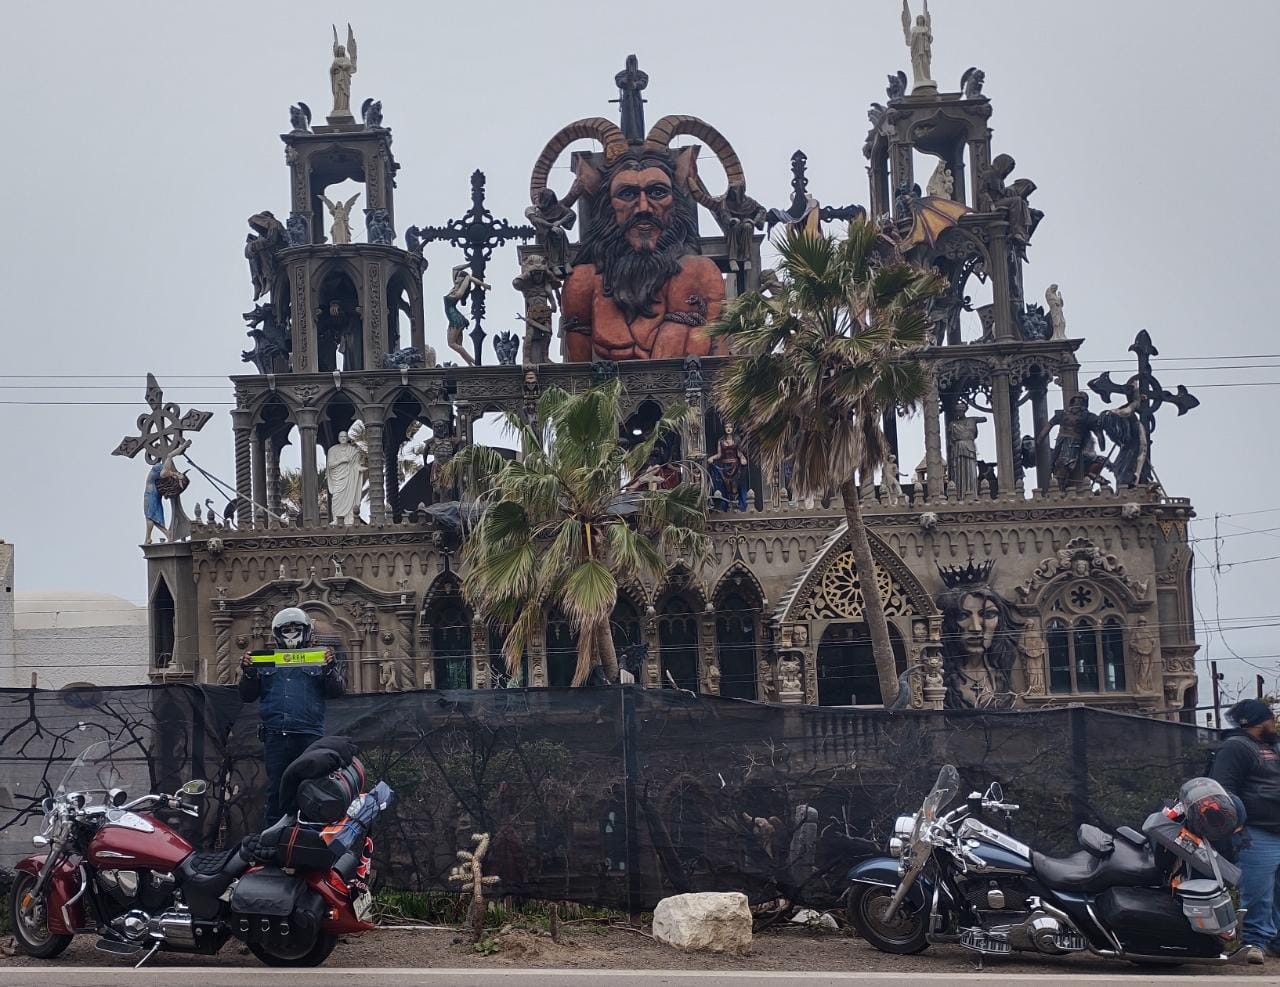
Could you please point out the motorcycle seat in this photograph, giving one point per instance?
(1126, 866)
(209, 873)
(1132, 835)
(1094, 840)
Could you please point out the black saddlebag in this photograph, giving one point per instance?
(294, 846)
(276, 909)
(1149, 912)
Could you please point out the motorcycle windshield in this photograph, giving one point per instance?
(944, 790)
(94, 770)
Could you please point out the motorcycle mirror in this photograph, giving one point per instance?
(46, 805)
(194, 787)
(117, 797)
(995, 793)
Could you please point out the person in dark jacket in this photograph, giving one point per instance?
(1248, 766)
(292, 698)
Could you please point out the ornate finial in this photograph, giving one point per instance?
(968, 575)
(631, 82)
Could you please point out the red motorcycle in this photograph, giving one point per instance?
(112, 868)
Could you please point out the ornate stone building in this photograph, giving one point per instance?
(1075, 589)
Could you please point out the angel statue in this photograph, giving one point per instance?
(919, 38)
(340, 231)
(340, 73)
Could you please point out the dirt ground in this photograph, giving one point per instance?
(793, 948)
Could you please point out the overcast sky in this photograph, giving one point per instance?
(141, 136)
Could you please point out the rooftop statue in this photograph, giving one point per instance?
(340, 231)
(919, 38)
(340, 73)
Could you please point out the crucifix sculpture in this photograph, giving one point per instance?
(1131, 425)
(631, 82)
(160, 437)
(477, 233)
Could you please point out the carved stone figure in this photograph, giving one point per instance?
(297, 230)
(739, 216)
(378, 225)
(506, 346)
(897, 87)
(1142, 643)
(962, 446)
(1034, 323)
(1057, 321)
(1075, 454)
(371, 113)
(270, 351)
(729, 470)
(163, 480)
(261, 247)
(919, 38)
(692, 367)
(1035, 649)
(979, 642)
(340, 73)
(344, 475)
(393, 669)
(552, 221)
(941, 183)
(340, 331)
(408, 358)
(994, 194)
(640, 288)
(541, 288)
(414, 241)
(340, 231)
(463, 282)
(300, 118)
(789, 684)
(971, 82)
(1125, 426)
(889, 481)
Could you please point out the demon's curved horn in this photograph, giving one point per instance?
(661, 134)
(596, 128)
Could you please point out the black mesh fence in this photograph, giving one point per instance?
(616, 796)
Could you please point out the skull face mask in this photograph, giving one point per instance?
(292, 635)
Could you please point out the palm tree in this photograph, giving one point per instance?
(823, 359)
(569, 521)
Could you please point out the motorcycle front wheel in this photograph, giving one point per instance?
(317, 954)
(29, 920)
(904, 933)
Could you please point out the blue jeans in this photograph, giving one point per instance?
(279, 751)
(1260, 887)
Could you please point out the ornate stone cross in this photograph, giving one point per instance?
(477, 233)
(160, 438)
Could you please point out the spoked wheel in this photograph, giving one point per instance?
(29, 919)
(904, 933)
(316, 954)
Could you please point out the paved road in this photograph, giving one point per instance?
(437, 977)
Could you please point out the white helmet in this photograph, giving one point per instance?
(292, 628)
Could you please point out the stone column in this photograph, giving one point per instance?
(481, 661)
(932, 438)
(1069, 380)
(1040, 418)
(1001, 287)
(310, 485)
(258, 454)
(1005, 471)
(273, 480)
(226, 672)
(465, 421)
(373, 418)
(242, 424)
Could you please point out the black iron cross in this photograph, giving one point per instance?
(477, 233)
(1152, 395)
(800, 198)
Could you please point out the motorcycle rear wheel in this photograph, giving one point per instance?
(906, 934)
(30, 924)
(317, 954)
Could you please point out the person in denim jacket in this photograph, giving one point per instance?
(292, 699)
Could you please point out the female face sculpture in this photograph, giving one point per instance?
(978, 620)
(343, 438)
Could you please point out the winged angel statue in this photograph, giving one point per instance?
(341, 71)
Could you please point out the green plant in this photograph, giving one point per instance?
(487, 946)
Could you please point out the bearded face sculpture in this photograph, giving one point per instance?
(639, 288)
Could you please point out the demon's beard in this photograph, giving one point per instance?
(634, 278)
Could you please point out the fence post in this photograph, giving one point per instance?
(1079, 723)
(630, 769)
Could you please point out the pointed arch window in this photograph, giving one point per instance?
(1085, 634)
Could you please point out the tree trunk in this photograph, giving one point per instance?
(608, 655)
(872, 605)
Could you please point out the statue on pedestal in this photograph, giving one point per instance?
(994, 194)
(340, 73)
(739, 216)
(340, 231)
(552, 220)
(1075, 454)
(344, 475)
(729, 470)
(540, 287)
(962, 445)
(339, 331)
(1057, 321)
(919, 38)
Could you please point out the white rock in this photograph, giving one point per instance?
(717, 922)
(807, 916)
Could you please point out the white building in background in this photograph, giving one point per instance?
(68, 637)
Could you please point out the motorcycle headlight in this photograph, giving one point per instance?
(902, 829)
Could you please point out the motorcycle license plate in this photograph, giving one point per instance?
(363, 906)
